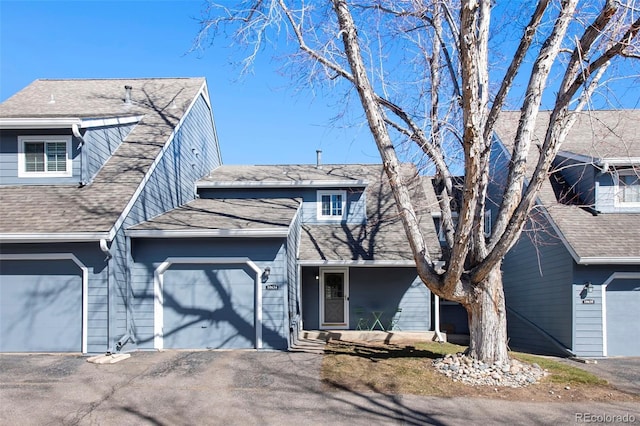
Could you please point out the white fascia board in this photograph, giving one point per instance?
(112, 121)
(619, 161)
(71, 237)
(370, 263)
(39, 123)
(208, 233)
(578, 157)
(283, 184)
(609, 261)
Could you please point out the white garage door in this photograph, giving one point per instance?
(623, 321)
(40, 306)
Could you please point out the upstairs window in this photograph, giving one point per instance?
(331, 204)
(44, 156)
(628, 187)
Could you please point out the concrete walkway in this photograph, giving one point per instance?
(236, 388)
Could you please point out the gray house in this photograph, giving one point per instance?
(572, 282)
(147, 241)
(80, 162)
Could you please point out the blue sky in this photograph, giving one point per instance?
(260, 118)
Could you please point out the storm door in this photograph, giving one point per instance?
(334, 298)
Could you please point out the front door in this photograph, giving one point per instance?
(334, 298)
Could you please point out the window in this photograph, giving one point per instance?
(487, 223)
(331, 204)
(41, 156)
(629, 186)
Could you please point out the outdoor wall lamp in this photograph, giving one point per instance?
(265, 274)
(588, 287)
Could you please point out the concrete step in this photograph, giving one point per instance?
(370, 336)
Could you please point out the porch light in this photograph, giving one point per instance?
(588, 287)
(265, 274)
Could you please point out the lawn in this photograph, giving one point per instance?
(407, 369)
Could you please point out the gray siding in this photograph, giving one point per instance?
(100, 144)
(92, 257)
(356, 200)
(537, 277)
(588, 321)
(192, 153)
(578, 178)
(9, 158)
(588, 339)
(606, 195)
(386, 289)
(149, 253)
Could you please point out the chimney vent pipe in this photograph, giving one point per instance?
(127, 94)
(318, 158)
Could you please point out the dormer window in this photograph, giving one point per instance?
(331, 204)
(628, 187)
(44, 156)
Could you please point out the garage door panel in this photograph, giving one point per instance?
(43, 312)
(208, 307)
(623, 323)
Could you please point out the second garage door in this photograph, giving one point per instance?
(623, 323)
(208, 307)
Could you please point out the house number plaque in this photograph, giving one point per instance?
(271, 286)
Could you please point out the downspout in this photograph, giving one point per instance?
(436, 326)
(83, 156)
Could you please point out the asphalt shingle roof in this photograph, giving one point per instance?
(95, 207)
(226, 214)
(599, 135)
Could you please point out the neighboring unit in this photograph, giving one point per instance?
(81, 161)
(572, 282)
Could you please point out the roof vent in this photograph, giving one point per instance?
(319, 158)
(127, 94)
(52, 99)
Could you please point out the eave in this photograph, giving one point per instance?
(282, 184)
(67, 237)
(208, 233)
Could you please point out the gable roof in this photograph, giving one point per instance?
(597, 136)
(91, 212)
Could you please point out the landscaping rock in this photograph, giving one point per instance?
(512, 374)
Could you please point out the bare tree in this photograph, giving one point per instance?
(426, 75)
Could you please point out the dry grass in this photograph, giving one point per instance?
(407, 369)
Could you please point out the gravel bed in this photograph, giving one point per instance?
(514, 373)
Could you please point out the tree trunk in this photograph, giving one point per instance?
(488, 320)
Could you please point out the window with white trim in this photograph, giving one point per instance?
(629, 187)
(44, 156)
(331, 204)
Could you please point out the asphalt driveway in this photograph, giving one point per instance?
(235, 387)
(622, 372)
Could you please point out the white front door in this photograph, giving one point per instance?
(334, 298)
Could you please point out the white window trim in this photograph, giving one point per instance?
(22, 173)
(319, 214)
(618, 198)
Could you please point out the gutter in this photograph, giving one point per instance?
(208, 233)
(283, 184)
(436, 325)
(72, 237)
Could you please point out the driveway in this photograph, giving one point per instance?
(236, 387)
(622, 372)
